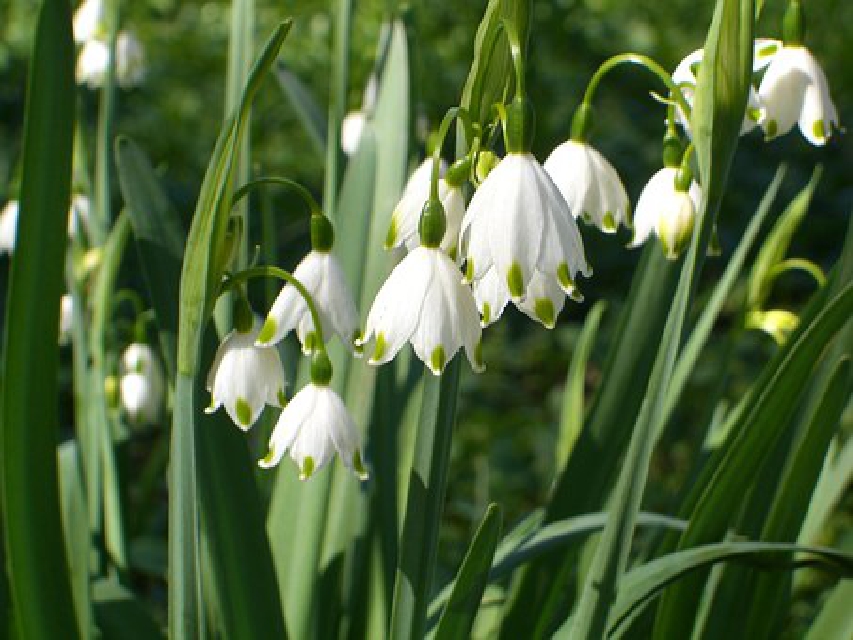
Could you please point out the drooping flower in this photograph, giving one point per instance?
(8, 227)
(793, 90)
(352, 127)
(92, 63)
(668, 209)
(130, 60)
(686, 75)
(88, 21)
(403, 229)
(425, 302)
(517, 225)
(589, 184)
(142, 386)
(244, 377)
(321, 274)
(311, 428)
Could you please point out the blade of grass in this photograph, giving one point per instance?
(120, 615)
(306, 107)
(75, 522)
(835, 620)
(36, 562)
(457, 619)
(427, 485)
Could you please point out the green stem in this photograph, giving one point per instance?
(449, 117)
(801, 264)
(294, 186)
(275, 272)
(643, 61)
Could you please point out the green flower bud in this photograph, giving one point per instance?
(432, 224)
(322, 233)
(321, 368)
(520, 126)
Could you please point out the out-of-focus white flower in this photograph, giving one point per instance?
(685, 76)
(590, 185)
(88, 21)
(667, 210)
(66, 318)
(407, 214)
(321, 274)
(517, 225)
(794, 90)
(8, 227)
(130, 60)
(78, 214)
(92, 63)
(94, 58)
(142, 385)
(244, 377)
(425, 302)
(352, 127)
(312, 427)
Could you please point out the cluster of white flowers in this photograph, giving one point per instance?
(516, 240)
(142, 387)
(94, 57)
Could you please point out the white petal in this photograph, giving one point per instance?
(544, 299)
(406, 215)
(291, 420)
(781, 92)
(454, 210)
(342, 431)
(8, 226)
(437, 337)
(653, 199)
(491, 295)
(818, 115)
(395, 312)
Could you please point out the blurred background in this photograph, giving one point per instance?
(504, 449)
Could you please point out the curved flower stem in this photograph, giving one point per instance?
(517, 53)
(294, 186)
(452, 114)
(275, 272)
(643, 61)
(800, 264)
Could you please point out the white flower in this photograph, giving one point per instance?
(142, 385)
(8, 227)
(321, 274)
(517, 225)
(425, 302)
(352, 127)
(667, 211)
(66, 318)
(243, 377)
(312, 427)
(794, 89)
(78, 214)
(590, 185)
(92, 62)
(88, 20)
(407, 214)
(685, 76)
(130, 60)
(403, 228)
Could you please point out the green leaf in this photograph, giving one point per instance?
(643, 584)
(572, 414)
(75, 523)
(835, 620)
(120, 616)
(306, 107)
(427, 485)
(461, 608)
(776, 244)
(752, 439)
(159, 241)
(36, 563)
(203, 266)
(792, 500)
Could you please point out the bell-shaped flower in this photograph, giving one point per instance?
(403, 229)
(589, 184)
(130, 60)
(686, 75)
(517, 225)
(424, 301)
(142, 386)
(89, 21)
(311, 428)
(352, 126)
(794, 90)
(92, 63)
(666, 210)
(321, 274)
(8, 227)
(244, 377)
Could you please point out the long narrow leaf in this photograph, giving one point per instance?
(35, 552)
